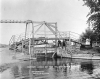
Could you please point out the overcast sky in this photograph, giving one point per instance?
(70, 15)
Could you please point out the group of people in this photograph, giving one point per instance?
(62, 43)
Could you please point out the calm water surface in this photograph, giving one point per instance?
(44, 68)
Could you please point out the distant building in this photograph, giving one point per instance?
(87, 42)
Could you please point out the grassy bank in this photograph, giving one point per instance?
(3, 45)
(93, 50)
(96, 49)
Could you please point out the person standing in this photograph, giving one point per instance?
(59, 43)
(63, 44)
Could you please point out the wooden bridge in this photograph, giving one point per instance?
(30, 39)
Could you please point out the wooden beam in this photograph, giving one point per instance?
(38, 28)
(50, 29)
(49, 38)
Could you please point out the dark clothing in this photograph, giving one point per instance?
(64, 44)
(91, 43)
(59, 43)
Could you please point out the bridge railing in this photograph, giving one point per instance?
(20, 38)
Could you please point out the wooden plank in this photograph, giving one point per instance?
(49, 38)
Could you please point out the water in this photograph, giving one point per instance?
(44, 68)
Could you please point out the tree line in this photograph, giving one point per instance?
(93, 31)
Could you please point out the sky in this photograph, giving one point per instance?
(70, 15)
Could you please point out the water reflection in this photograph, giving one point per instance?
(87, 66)
(44, 68)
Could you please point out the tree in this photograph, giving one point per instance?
(88, 34)
(94, 16)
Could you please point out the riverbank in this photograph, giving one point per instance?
(94, 50)
(8, 56)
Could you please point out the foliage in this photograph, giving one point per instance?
(94, 16)
(88, 34)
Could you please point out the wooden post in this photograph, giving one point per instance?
(26, 30)
(29, 45)
(70, 48)
(32, 38)
(45, 39)
(56, 37)
(22, 45)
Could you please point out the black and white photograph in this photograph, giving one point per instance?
(49, 39)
